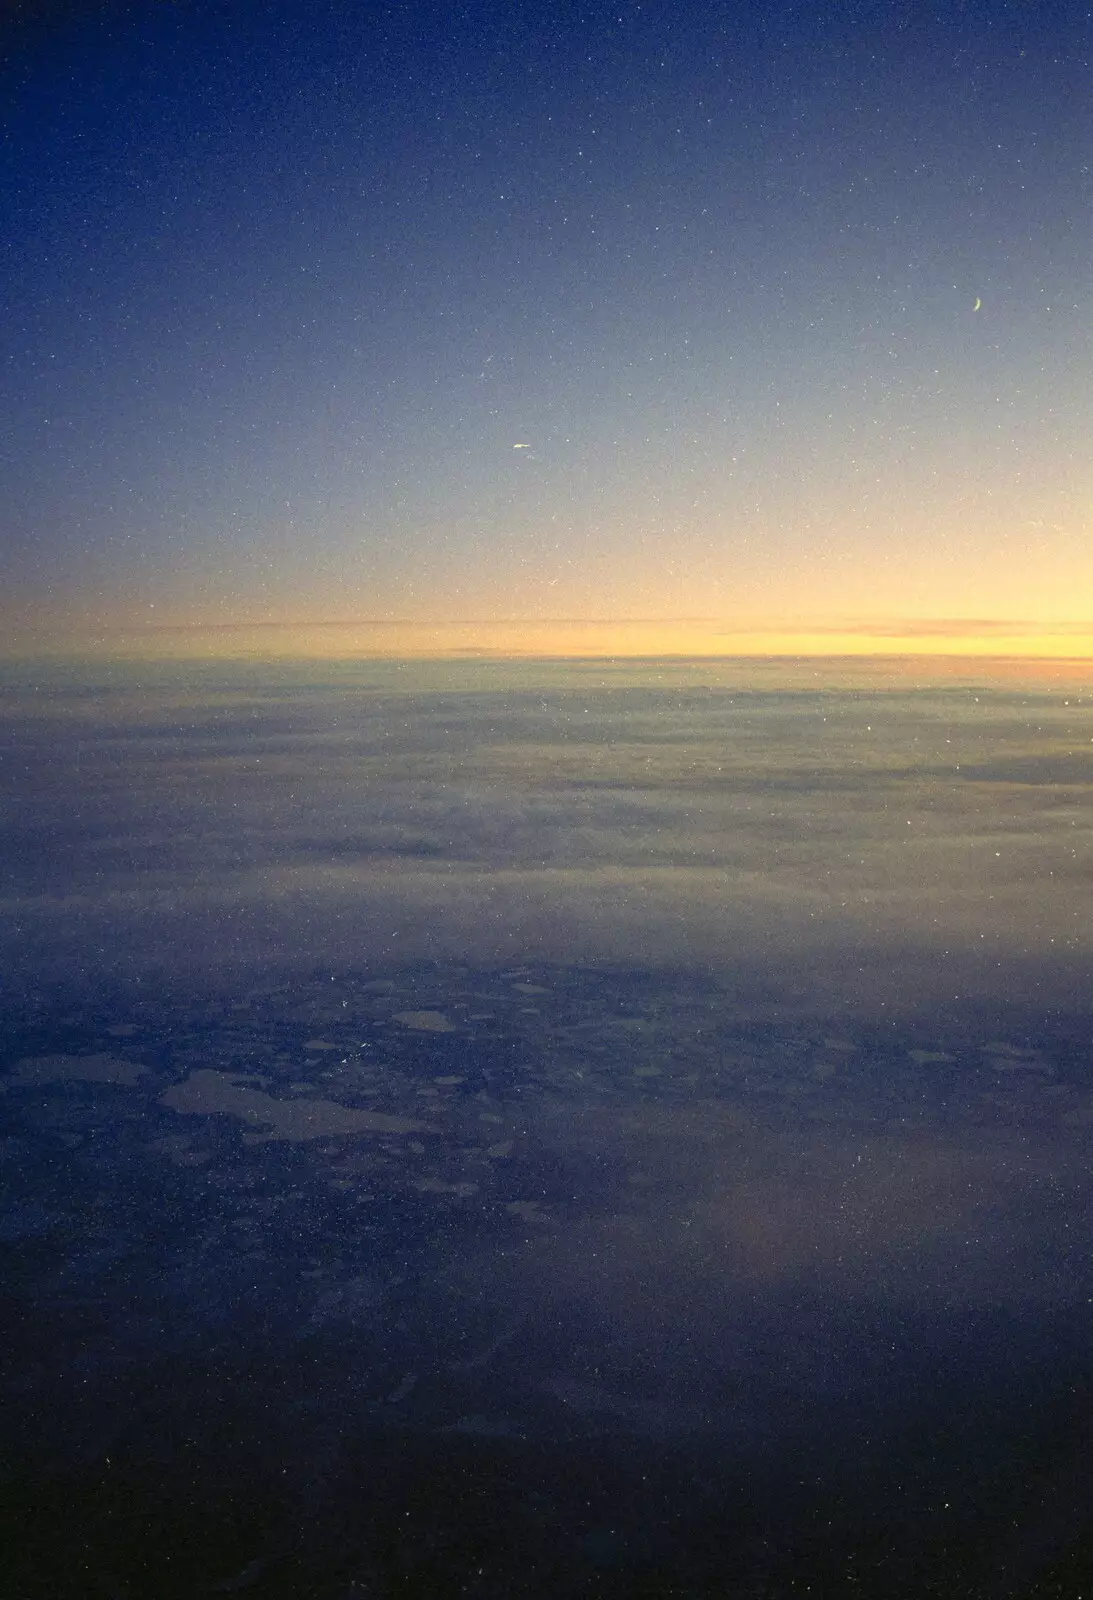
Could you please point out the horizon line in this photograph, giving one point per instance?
(720, 626)
(964, 638)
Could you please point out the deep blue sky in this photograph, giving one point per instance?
(286, 285)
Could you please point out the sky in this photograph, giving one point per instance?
(554, 328)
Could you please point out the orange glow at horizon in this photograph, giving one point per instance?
(1070, 641)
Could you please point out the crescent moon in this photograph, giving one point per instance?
(977, 304)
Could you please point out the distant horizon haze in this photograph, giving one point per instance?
(577, 637)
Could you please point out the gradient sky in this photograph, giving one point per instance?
(778, 317)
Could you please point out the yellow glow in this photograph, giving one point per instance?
(703, 637)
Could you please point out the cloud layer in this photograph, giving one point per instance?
(863, 845)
